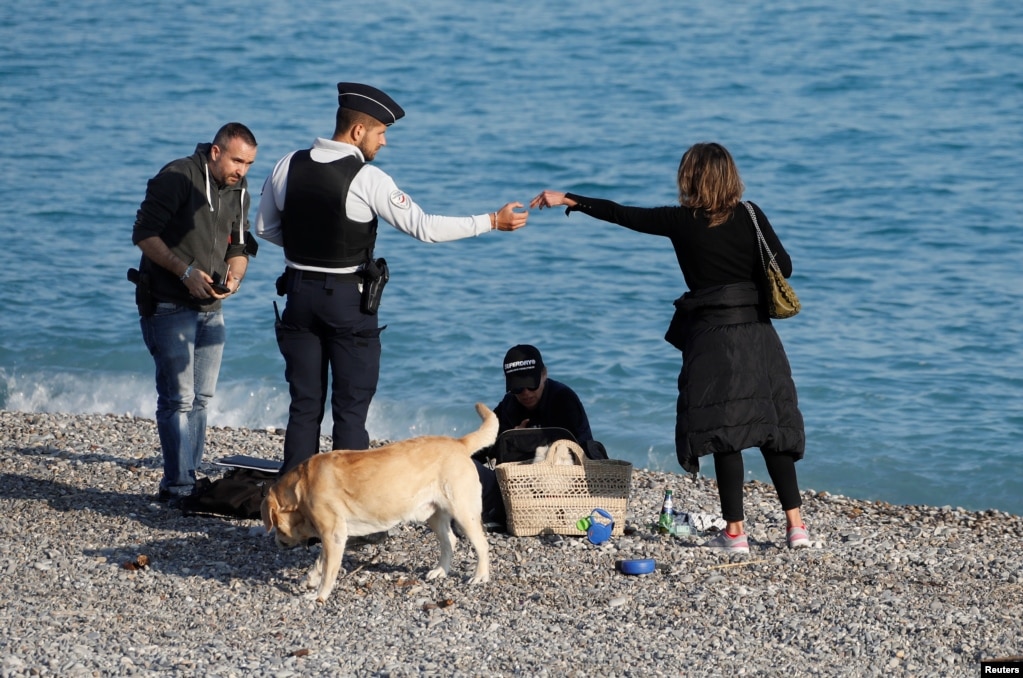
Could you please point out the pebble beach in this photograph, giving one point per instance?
(99, 579)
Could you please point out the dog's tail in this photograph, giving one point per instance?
(486, 435)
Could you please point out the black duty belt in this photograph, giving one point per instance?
(320, 275)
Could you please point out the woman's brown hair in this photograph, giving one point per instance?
(708, 180)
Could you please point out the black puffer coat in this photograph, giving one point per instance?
(735, 388)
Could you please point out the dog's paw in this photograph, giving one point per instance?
(480, 579)
(436, 572)
(316, 597)
(311, 581)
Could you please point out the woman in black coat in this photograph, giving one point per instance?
(735, 388)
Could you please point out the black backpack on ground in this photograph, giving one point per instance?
(237, 494)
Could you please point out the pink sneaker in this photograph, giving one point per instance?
(725, 541)
(797, 537)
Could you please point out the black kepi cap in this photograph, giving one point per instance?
(369, 100)
(523, 367)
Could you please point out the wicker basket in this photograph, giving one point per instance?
(548, 498)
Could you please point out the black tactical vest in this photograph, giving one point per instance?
(315, 224)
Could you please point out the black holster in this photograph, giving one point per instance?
(375, 276)
(143, 292)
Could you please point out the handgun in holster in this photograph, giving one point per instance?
(375, 276)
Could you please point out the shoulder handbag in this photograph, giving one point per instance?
(782, 301)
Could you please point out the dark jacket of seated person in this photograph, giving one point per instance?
(558, 406)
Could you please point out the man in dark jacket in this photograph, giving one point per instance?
(192, 230)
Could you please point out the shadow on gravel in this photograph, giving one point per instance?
(52, 451)
(211, 547)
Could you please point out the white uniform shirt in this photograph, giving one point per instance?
(372, 192)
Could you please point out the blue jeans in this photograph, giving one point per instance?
(187, 346)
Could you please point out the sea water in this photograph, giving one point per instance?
(881, 138)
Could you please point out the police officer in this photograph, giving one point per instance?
(321, 205)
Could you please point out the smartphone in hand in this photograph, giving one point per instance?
(218, 286)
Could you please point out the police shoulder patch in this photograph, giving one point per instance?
(399, 199)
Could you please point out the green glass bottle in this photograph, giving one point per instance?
(666, 521)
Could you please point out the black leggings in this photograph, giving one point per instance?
(730, 472)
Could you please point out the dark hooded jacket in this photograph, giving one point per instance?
(200, 222)
(559, 407)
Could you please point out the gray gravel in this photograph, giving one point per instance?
(97, 579)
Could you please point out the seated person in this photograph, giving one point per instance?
(532, 400)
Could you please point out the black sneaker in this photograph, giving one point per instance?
(172, 500)
(494, 521)
(179, 501)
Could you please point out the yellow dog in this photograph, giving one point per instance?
(345, 493)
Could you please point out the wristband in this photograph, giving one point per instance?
(188, 272)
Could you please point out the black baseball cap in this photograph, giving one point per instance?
(523, 367)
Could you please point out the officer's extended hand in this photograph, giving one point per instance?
(507, 219)
(551, 199)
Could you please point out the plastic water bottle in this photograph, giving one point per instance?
(666, 521)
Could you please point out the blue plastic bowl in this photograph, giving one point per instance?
(641, 566)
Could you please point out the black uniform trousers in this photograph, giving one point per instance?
(324, 336)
